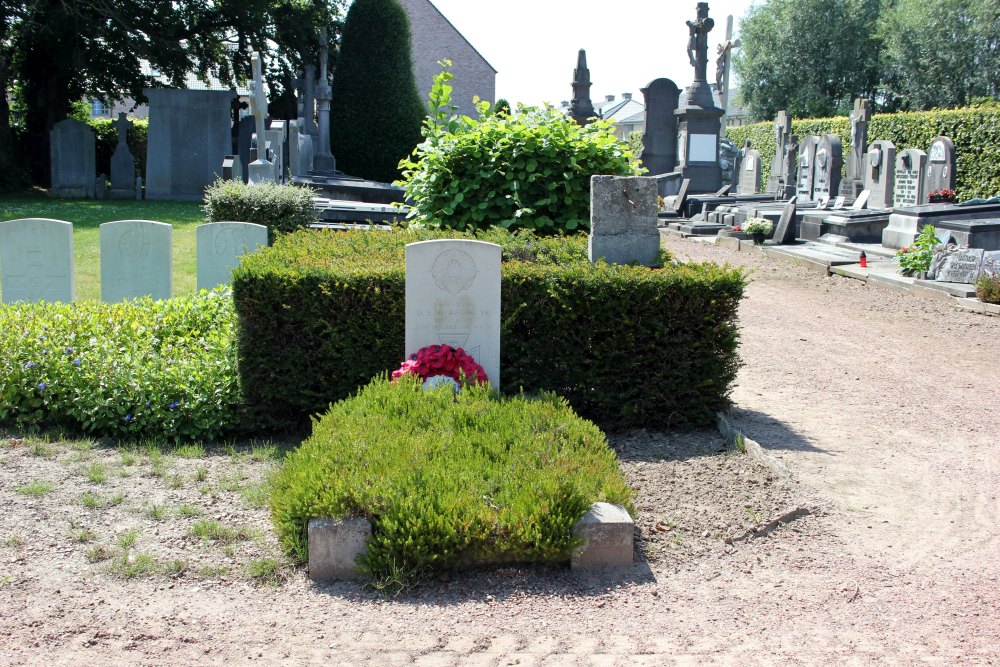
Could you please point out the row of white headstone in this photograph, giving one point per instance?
(36, 258)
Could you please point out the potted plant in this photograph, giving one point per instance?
(943, 197)
(758, 229)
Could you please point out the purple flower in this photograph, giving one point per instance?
(42, 386)
(77, 362)
(174, 405)
(147, 404)
(128, 418)
(70, 350)
(30, 364)
(45, 351)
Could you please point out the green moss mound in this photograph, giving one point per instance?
(448, 479)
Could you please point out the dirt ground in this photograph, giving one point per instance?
(882, 405)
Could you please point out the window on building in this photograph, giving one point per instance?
(98, 108)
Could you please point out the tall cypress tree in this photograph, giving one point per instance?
(376, 112)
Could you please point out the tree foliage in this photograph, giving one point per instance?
(376, 112)
(54, 52)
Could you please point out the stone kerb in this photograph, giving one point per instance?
(607, 534)
(36, 260)
(220, 246)
(623, 220)
(453, 298)
(136, 260)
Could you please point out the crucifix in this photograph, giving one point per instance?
(723, 63)
(122, 125)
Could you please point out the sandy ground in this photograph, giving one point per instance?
(883, 406)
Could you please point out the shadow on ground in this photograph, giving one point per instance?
(769, 432)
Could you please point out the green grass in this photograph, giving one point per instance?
(87, 216)
(127, 539)
(187, 510)
(211, 530)
(191, 451)
(96, 473)
(92, 501)
(35, 488)
(265, 571)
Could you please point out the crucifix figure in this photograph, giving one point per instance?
(122, 125)
(698, 42)
(860, 117)
(723, 63)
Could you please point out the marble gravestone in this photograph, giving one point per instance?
(453, 298)
(829, 163)
(623, 220)
(748, 182)
(941, 165)
(806, 168)
(36, 260)
(880, 173)
(659, 142)
(122, 162)
(73, 159)
(960, 266)
(220, 246)
(782, 130)
(135, 260)
(911, 179)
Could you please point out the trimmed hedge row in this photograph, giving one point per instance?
(975, 131)
(320, 314)
(279, 207)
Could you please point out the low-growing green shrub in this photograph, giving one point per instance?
(448, 479)
(136, 368)
(917, 257)
(280, 208)
(322, 313)
(988, 288)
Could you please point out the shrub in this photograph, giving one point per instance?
(447, 479)
(136, 368)
(322, 313)
(280, 208)
(106, 141)
(376, 110)
(988, 288)
(528, 171)
(917, 257)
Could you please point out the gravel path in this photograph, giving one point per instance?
(883, 406)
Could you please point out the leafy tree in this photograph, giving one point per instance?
(811, 57)
(54, 52)
(376, 112)
(941, 53)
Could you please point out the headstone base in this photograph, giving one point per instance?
(607, 532)
(324, 163)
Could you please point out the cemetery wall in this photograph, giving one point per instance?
(321, 314)
(975, 131)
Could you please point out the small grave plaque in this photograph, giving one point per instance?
(36, 260)
(220, 246)
(135, 260)
(961, 266)
(453, 298)
(991, 263)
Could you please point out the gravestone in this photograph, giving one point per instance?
(681, 198)
(220, 246)
(659, 142)
(911, 178)
(232, 170)
(749, 177)
(805, 176)
(623, 220)
(880, 173)
(839, 201)
(190, 135)
(453, 298)
(829, 163)
(245, 130)
(122, 162)
(135, 260)
(784, 232)
(991, 263)
(306, 153)
(73, 158)
(277, 136)
(36, 260)
(294, 162)
(960, 266)
(854, 183)
(786, 177)
(782, 130)
(861, 202)
(941, 165)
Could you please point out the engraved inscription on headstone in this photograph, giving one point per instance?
(991, 263)
(961, 266)
(36, 260)
(910, 188)
(806, 168)
(135, 260)
(220, 246)
(749, 176)
(453, 298)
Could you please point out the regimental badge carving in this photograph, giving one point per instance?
(135, 244)
(454, 271)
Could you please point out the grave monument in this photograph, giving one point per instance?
(261, 170)
(122, 162)
(36, 260)
(220, 246)
(854, 183)
(911, 178)
(829, 163)
(581, 109)
(659, 142)
(941, 165)
(749, 176)
(880, 173)
(782, 130)
(623, 220)
(73, 159)
(323, 159)
(135, 260)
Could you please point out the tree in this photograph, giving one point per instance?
(54, 52)
(376, 112)
(811, 57)
(941, 53)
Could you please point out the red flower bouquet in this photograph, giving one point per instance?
(438, 360)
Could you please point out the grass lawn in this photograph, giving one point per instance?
(87, 216)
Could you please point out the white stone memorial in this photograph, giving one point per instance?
(36, 260)
(220, 246)
(453, 298)
(135, 260)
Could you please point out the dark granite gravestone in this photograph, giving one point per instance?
(122, 162)
(854, 183)
(941, 165)
(829, 162)
(659, 142)
(724, 190)
(232, 170)
(782, 130)
(786, 180)
(960, 266)
(749, 177)
(806, 168)
(581, 109)
(784, 232)
(73, 159)
(880, 173)
(247, 127)
(681, 196)
(911, 178)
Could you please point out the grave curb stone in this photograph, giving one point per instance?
(608, 533)
(334, 545)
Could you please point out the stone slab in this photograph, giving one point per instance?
(36, 260)
(608, 533)
(960, 266)
(890, 278)
(729, 242)
(943, 288)
(135, 260)
(453, 298)
(817, 257)
(334, 546)
(220, 246)
(623, 220)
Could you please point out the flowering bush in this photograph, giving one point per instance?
(943, 197)
(988, 288)
(758, 226)
(916, 257)
(435, 360)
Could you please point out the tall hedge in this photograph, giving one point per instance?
(975, 131)
(376, 112)
(322, 313)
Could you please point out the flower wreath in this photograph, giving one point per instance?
(442, 360)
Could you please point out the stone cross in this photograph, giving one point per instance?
(258, 99)
(324, 158)
(123, 125)
(722, 66)
(698, 42)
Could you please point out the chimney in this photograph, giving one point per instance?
(626, 96)
(609, 98)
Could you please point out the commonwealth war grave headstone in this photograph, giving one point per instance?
(135, 260)
(220, 246)
(911, 179)
(880, 173)
(623, 220)
(36, 260)
(73, 159)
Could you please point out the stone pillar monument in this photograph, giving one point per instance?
(261, 170)
(852, 186)
(581, 109)
(323, 159)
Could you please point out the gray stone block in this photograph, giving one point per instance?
(607, 532)
(640, 248)
(334, 546)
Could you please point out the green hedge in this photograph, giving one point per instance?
(280, 208)
(975, 131)
(106, 141)
(322, 313)
(447, 479)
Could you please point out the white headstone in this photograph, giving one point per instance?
(135, 260)
(220, 246)
(36, 260)
(453, 298)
